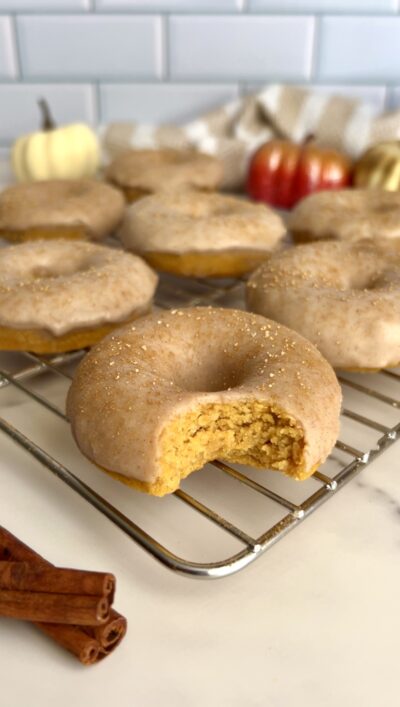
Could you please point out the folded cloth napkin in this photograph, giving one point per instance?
(235, 130)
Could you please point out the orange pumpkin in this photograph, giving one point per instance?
(282, 172)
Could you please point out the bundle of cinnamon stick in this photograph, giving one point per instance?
(73, 607)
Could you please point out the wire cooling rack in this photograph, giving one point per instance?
(370, 424)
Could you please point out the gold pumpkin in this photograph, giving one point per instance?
(379, 167)
(68, 152)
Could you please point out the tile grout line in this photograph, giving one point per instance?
(164, 51)
(315, 55)
(96, 103)
(193, 80)
(243, 7)
(242, 89)
(17, 48)
(386, 97)
(165, 47)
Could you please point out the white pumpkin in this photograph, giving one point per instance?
(67, 152)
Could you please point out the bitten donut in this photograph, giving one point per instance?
(57, 296)
(160, 398)
(343, 297)
(346, 214)
(142, 172)
(203, 235)
(73, 209)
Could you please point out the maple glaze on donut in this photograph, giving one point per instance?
(159, 398)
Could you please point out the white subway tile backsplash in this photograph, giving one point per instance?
(37, 5)
(8, 66)
(171, 60)
(161, 103)
(19, 109)
(362, 48)
(170, 5)
(240, 47)
(83, 46)
(323, 6)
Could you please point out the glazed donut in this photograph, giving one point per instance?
(57, 296)
(142, 172)
(58, 208)
(203, 235)
(346, 214)
(343, 297)
(160, 399)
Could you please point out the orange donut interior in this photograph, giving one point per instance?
(41, 341)
(195, 264)
(77, 232)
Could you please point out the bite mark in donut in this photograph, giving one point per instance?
(155, 401)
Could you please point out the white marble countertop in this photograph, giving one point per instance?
(314, 622)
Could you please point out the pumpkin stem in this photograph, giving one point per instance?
(47, 119)
(308, 138)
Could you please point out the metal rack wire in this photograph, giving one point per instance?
(349, 460)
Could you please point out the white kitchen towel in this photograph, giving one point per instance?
(235, 130)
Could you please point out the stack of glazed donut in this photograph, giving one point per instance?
(255, 387)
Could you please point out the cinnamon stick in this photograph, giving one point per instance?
(54, 608)
(75, 640)
(38, 577)
(82, 642)
(110, 634)
(11, 548)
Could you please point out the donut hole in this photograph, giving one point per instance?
(59, 269)
(384, 280)
(250, 432)
(368, 281)
(41, 272)
(196, 206)
(211, 378)
(375, 283)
